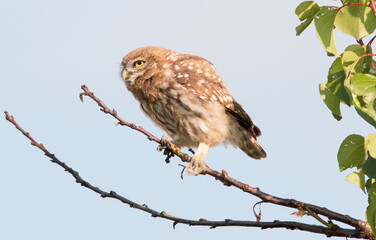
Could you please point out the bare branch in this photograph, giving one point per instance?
(361, 228)
(329, 232)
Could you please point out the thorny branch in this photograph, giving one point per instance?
(360, 228)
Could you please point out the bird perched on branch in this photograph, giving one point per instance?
(184, 95)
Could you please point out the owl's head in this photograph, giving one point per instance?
(142, 64)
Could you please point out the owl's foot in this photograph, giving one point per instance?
(165, 144)
(165, 141)
(195, 167)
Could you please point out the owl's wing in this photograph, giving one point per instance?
(242, 117)
(199, 76)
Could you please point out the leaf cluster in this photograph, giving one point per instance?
(351, 81)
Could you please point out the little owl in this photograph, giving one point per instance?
(184, 96)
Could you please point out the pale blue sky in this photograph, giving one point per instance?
(50, 48)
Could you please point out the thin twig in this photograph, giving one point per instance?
(373, 7)
(164, 142)
(340, 232)
(371, 41)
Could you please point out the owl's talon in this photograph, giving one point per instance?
(168, 147)
(160, 148)
(169, 154)
(195, 167)
(165, 141)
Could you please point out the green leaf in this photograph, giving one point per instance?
(357, 178)
(365, 2)
(331, 101)
(371, 209)
(363, 89)
(299, 29)
(324, 23)
(365, 85)
(336, 79)
(368, 61)
(352, 61)
(373, 69)
(371, 187)
(351, 153)
(354, 20)
(371, 144)
(370, 120)
(306, 11)
(369, 167)
(371, 213)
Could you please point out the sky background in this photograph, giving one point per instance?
(50, 48)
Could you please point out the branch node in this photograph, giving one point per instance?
(106, 110)
(163, 213)
(224, 176)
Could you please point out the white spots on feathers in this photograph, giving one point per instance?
(173, 92)
(213, 98)
(168, 73)
(166, 65)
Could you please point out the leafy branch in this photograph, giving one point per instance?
(360, 229)
(351, 81)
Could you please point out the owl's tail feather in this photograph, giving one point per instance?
(253, 149)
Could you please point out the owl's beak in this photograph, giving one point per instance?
(124, 75)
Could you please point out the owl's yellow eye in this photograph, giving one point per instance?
(138, 63)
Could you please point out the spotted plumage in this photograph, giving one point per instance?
(184, 95)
